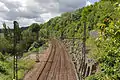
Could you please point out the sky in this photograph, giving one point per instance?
(27, 12)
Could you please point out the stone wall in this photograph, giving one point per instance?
(74, 48)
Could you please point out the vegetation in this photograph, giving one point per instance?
(102, 17)
(25, 40)
(6, 67)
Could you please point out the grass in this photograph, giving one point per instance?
(94, 52)
(6, 68)
(1, 35)
(35, 50)
(24, 65)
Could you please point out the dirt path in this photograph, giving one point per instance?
(55, 64)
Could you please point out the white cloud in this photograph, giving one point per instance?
(88, 3)
(47, 16)
(28, 11)
(4, 8)
(70, 5)
(24, 21)
(1, 22)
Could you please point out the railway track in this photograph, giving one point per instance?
(57, 66)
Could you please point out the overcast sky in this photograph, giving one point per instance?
(27, 12)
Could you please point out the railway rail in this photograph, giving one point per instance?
(57, 66)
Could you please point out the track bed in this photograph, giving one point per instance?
(57, 65)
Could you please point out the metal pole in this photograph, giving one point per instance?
(16, 68)
(73, 35)
(83, 53)
(84, 46)
(15, 55)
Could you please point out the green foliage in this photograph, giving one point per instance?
(7, 32)
(28, 39)
(3, 69)
(5, 45)
(43, 33)
(110, 0)
(62, 26)
(35, 28)
(6, 67)
(24, 39)
(103, 15)
(17, 32)
(110, 58)
(24, 65)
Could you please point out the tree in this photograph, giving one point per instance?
(110, 0)
(35, 28)
(5, 30)
(17, 31)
